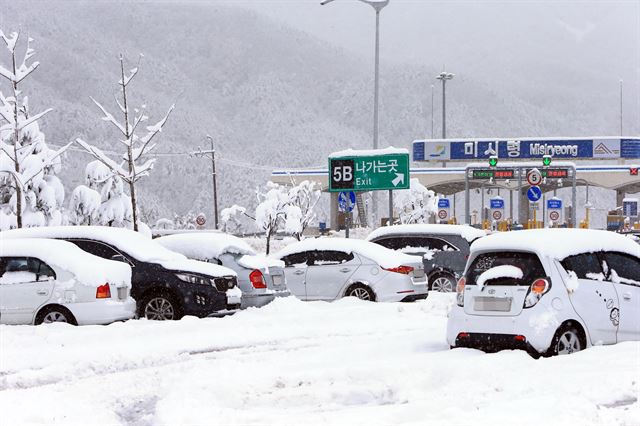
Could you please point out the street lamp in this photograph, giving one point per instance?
(444, 76)
(377, 6)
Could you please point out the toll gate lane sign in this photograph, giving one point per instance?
(369, 173)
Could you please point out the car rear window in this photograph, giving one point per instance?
(529, 263)
(418, 243)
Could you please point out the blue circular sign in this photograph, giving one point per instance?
(346, 201)
(534, 193)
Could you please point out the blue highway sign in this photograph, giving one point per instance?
(534, 193)
(346, 201)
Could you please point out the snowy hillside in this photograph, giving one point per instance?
(268, 93)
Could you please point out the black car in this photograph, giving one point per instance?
(443, 248)
(165, 285)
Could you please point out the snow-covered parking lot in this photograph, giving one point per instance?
(292, 362)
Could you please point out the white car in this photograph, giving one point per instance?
(260, 278)
(548, 291)
(43, 281)
(331, 268)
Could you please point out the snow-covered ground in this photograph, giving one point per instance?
(291, 362)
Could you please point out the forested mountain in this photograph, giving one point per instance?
(269, 94)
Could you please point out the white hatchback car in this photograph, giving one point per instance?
(43, 281)
(548, 291)
(330, 268)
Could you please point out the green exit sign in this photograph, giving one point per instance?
(369, 173)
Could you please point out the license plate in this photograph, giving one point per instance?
(499, 304)
(418, 273)
(122, 293)
(278, 279)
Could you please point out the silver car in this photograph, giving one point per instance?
(331, 268)
(260, 278)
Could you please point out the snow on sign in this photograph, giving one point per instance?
(371, 172)
(534, 177)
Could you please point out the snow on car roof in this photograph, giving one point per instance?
(558, 243)
(382, 256)
(90, 270)
(133, 243)
(205, 245)
(467, 232)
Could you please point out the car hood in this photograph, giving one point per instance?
(203, 268)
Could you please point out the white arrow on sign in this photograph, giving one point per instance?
(398, 180)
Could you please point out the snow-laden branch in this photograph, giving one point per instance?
(47, 161)
(109, 117)
(24, 123)
(10, 41)
(153, 131)
(104, 159)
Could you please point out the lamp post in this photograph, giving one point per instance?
(444, 76)
(211, 152)
(377, 6)
(432, 87)
(621, 108)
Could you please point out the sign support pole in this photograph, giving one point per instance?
(573, 197)
(347, 223)
(390, 207)
(467, 197)
(519, 193)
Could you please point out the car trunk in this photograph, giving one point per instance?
(501, 294)
(275, 278)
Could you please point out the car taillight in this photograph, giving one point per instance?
(400, 269)
(538, 288)
(257, 279)
(460, 291)
(103, 292)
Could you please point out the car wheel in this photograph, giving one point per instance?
(159, 307)
(52, 314)
(443, 283)
(361, 292)
(568, 339)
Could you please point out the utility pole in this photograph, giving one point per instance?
(432, 90)
(212, 153)
(444, 76)
(620, 107)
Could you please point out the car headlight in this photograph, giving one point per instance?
(194, 279)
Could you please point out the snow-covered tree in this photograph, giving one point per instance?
(130, 170)
(303, 199)
(416, 204)
(115, 205)
(29, 190)
(231, 218)
(271, 210)
(84, 206)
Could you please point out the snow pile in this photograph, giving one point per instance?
(502, 271)
(558, 243)
(205, 245)
(572, 282)
(467, 232)
(293, 362)
(63, 256)
(382, 256)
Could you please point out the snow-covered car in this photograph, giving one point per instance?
(43, 281)
(444, 248)
(260, 278)
(166, 285)
(548, 291)
(331, 268)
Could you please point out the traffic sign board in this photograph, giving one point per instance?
(496, 203)
(554, 215)
(443, 214)
(201, 219)
(534, 194)
(444, 203)
(534, 177)
(554, 204)
(369, 173)
(497, 214)
(346, 201)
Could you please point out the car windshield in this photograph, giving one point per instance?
(527, 262)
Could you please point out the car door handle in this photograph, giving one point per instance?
(42, 292)
(626, 296)
(299, 272)
(345, 270)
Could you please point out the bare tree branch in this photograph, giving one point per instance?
(109, 118)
